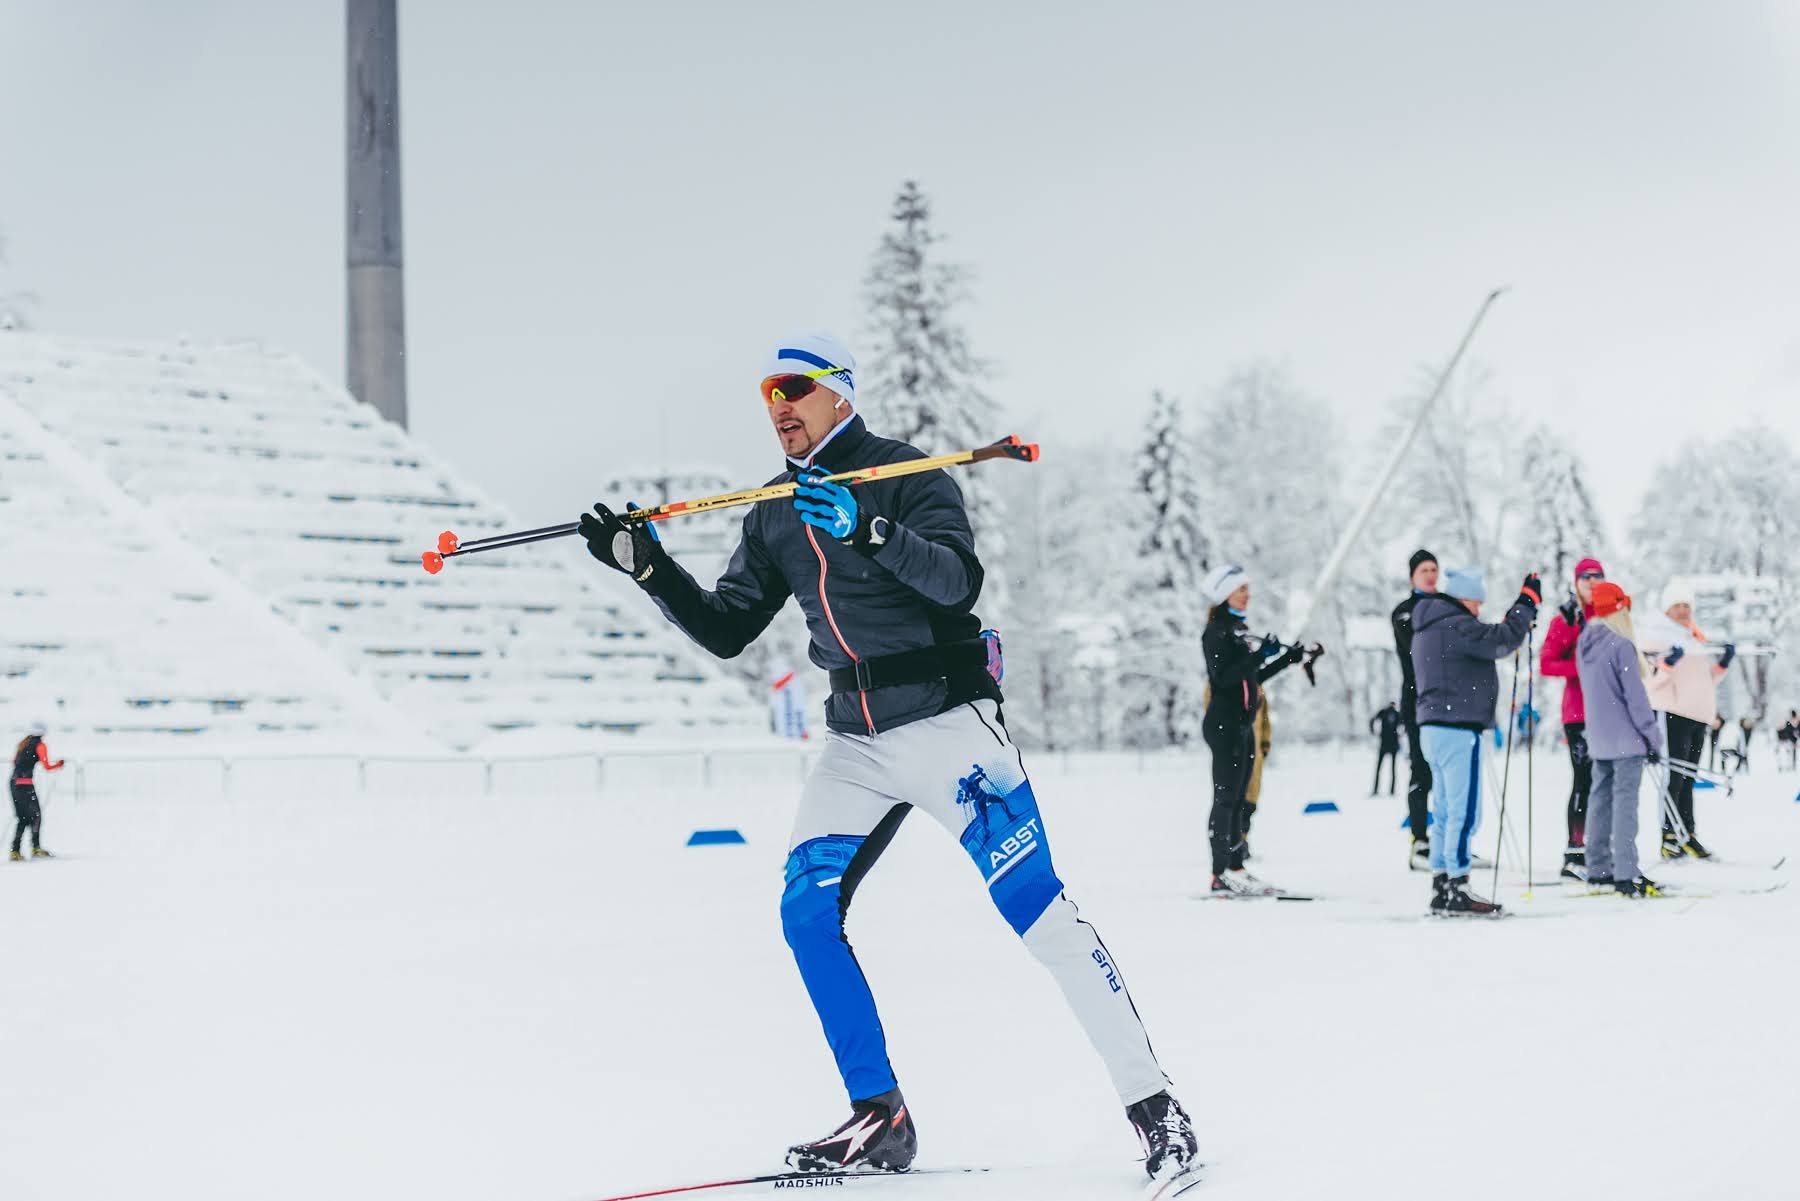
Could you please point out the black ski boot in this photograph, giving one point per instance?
(1574, 864)
(879, 1137)
(1460, 902)
(1440, 886)
(1162, 1126)
(1693, 846)
(1637, 888)
(1419, 858)
(1672, 848)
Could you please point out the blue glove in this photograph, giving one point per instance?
(830, 507)
(1269, 647)
(1730, 654)
(1674, 656)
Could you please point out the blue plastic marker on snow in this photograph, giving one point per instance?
(1321, 807)
(1430, 820)
(712, 838)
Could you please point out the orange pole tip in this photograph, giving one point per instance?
(448, 543)
(433, 561)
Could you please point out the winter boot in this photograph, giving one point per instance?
(1694, 847)
(1168, 1137)
(1420, 858)
(1440, 885)
(879, 1137)
(1637, 889)
(1460, 902)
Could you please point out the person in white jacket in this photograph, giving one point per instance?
(1683, 687)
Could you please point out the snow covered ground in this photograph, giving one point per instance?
(538, 998)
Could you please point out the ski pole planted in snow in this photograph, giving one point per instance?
(450, 546)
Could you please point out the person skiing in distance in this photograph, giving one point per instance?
(1423, 568)
(28, 756)
(1558, 659)
(1237, 663)
(1454, 654)
(1683, 687)
(1623, 734)
(887, 577)
(1788, 736)
(1388, 745)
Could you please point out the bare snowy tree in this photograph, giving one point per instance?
(1558, 524)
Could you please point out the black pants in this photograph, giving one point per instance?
(1686, 737)
(1418, 784)
(1576, 733)
(1233, 754)
(1389, 755)
(29, 813)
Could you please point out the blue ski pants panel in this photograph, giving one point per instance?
(1455, 760)
(962, 769)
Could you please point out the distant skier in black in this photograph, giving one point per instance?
(27, 758)
(1712, 743)
(1423, 567)
(1389, 721)
(1788, 737)
(1236, 665)
(1746, 727)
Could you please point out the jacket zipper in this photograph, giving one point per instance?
(837, 633)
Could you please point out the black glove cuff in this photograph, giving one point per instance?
(858, 540)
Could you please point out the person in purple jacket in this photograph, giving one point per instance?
(1622, 735)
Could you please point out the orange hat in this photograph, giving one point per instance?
(1609, 598)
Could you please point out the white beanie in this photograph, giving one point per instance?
(38, 728)
(1678, 592)
(1221, 582)
(810, 353)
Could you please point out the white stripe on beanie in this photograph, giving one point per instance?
(810, 353)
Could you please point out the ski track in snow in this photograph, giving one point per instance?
(553, 999)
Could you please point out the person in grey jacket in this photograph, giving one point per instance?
(1454, 655)
(1622, 734)
(887, 577)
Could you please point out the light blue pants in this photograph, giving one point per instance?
(1455, 758)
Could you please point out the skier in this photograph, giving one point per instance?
(1454, 655)
(1424, 577)
(1788, 736)
(887, 578)
(30, 754)
(1684, 688)
(1388, 749)
(1622, 735)
(1558, 659)
(1236, 665)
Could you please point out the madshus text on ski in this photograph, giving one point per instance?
(1634, 699)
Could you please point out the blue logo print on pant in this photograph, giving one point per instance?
(1005, 838)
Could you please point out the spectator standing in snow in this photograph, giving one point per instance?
(1454, 654)
(1558, 659)
(1684, 682)
(1423, 567)
(1236, 666)
(1623, 734)
(28, 756)
(1385, 725)
(1746, 727)
(1712, 749)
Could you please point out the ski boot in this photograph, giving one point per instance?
(41, 853)
(879, 1137)
(1600, 886)
(17, 857)
(1460, 902)
(1637, 888)
(1419, 860)
(1574, 864)
(1440, 888)
(1672, 848)
(1694, 847)
(1168, 1137)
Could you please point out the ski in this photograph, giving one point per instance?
(1179, 1183)
(796, 1180)
(1255, 896)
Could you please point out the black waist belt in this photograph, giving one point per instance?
(925, 665)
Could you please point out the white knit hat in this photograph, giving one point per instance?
(38, 728)
(1677, 592)
(810, 353)
(1221, 582)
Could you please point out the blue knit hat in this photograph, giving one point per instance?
(1465, 583)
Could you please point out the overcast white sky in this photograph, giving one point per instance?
(611, 209)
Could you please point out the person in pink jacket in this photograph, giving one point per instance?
(1683, 687)
(1558, 659)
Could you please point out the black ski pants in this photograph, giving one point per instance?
(1390, 755)
(1233, 754)
(1576, 733)
(1686, 737)
(1418, 783)
(29, 813)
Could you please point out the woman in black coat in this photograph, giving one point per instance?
(1237, 662)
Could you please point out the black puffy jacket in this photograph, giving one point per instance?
(918, 589)
(1234, 670)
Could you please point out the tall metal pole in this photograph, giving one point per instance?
(376, 351)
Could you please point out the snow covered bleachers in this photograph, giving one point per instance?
(316, 506)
